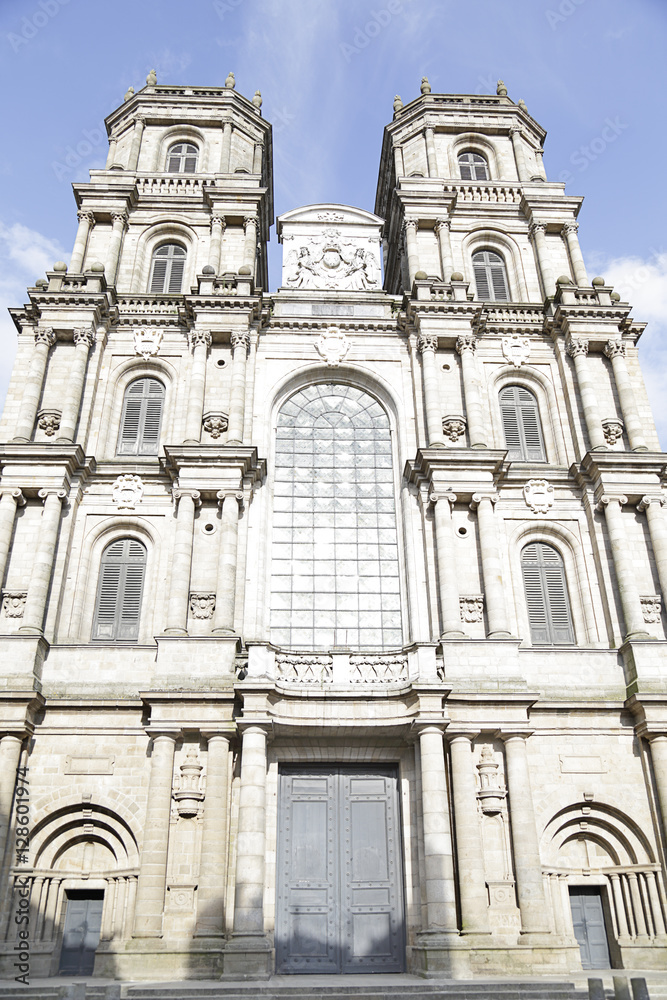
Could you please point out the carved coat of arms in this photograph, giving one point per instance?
(328, 261)
(539, 495)
(333, 345)
(147, 343)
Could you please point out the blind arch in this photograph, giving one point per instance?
(167, 269)
(473, 167)
(335, 565)
(182, 158)
(490, 276)
(119, 591)
(141, 417)
(547, 598)
(522, 427)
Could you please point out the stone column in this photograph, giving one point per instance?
(469, 850)
(638, 910)
(570, 230)
(578, 351)
(431, 156)
(250, 854)
(86, 222)
(465, 345)
(494, 594)
(519, 153)
(213, 860)
(218, 225)
(200, 342)
(250, 244)
(225, 598)
(450, 608)
(632, 610)
(119, 224)
(655, 508)
(9, 500)
(399, 169)
(615, 351)
(226, 147)
(539, 153)
(151, 886)
(83, 340)
(53, 898)
(240, 342)
(656, 906)
(42, 562)
(442, 229)
(257, 155)
(427, 347)
(537, 232)
(440, 888)
(135, 148)
(32, 391)
(658, 744)
(111, 155)
(10, 755)
(411, 227)
(181, 562)
(527, 863)
(619, 906)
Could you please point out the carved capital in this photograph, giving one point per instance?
(442, 225)
(477, 498)
(16, 495)
(249, 220)
(45, 336)
(537, 228)
(577, 347)
(48, 491)
(119, 217)
(614, 349)
(84, 335)
(139, 121)
(412, 224)
(240, 338)
(425, 343)
(433, 498)
(184, 491)
(222, 495)
(570, 227)
(199, 338)
(515, 130)
(646, 501)
(607, 498)
(218, 220)
(466, 342)
(85, 215)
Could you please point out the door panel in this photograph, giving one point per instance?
(589, 927)
(340, 900)
(83, 922)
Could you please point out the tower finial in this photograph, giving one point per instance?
(522, 105)
(425, 86)
(501, 89)
(128, 94)
(230, 82)
(398, 104)
(257, 99)
(151, 79)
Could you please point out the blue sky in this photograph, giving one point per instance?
(328, 71)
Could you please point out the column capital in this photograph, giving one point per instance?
(140, 121)
(515, 130)
(16, 495)
(576, 346)
(156, 733)
(441, 224)
(240, 338)
(86, 215)
(49, 491)
(219, 734)
(523, 737)
(199, 338)
(218, 220)
(466, 342)
(222, 495)
(119, 215)
(429, 728)
(427, 343)
(570, 227)
(249, 220)
(184, 491)
(477, 499)
(84, 335)
(537, 228)
(614, 349)
(411, 224)
(45, 335)
(646, 501)
(611, 498)
(434, 497)
(466, 737)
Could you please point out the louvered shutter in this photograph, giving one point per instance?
(546, 595)
(176, 275)
(142, 417)
(498, 280)
(510, 416)
(490, 276)
(168, 269)
(532, 432)
(131, 418)
(149, 438)
(159, 275)
(120, 590)
(521, 423)
(481, 278)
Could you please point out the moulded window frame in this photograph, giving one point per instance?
(112, 410)
(500, 242)
(543, 390)
(522, 459)
(474, 142)
(549, 645)
(153, 259)
(115, 640)
(474, 180)
(178, 231)
(168, 154)
(131, 456)
(182, 133)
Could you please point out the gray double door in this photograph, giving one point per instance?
(589, 926)
(340, 899)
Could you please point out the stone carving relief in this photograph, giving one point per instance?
(295, 669)
(453, 427)
(127, 491)
(49, 421)
(472, 608)
(13, 603)
(202, 605)
(378, 669)
(331, 261)
(181, 898)
(332, 346)
(539, 495)
(215, 423)
(613, 430)
(651, 608)
(188, 794)
(330, 217)
(490, 794)
(516, 349)
(147, 343)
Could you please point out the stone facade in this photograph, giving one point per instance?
(155, 762)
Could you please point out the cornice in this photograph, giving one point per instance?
(240, 458)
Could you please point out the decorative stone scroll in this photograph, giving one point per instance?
(539, 495)
(516, 349)
(127, 491)
(651, 607)
(335, 248)
(147, 343)
(293, 668)
(13, 603)
(332, 346)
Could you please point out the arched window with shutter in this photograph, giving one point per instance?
(167, 269)
(521, 423)
(490, 276)
(547, 599)
(182, 158)
(119, 591)
(141, 418)
(473, 167)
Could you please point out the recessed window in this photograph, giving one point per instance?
(167, 268)
(546, 595)
(119, 591)
(490, 276)
(141, 418)
(521, 423)
(473, 167)
(182, 158)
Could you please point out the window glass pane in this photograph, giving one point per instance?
(335, 577)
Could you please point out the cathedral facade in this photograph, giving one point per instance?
(332, 635)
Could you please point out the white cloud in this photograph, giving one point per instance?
(643, 283)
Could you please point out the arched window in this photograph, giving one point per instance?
(182, 158)
(473, 167)
(521, 424)
(141, 418)
(167, 268)
(335, 569)
(121, 583)
(546, 595)
(490, 276)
